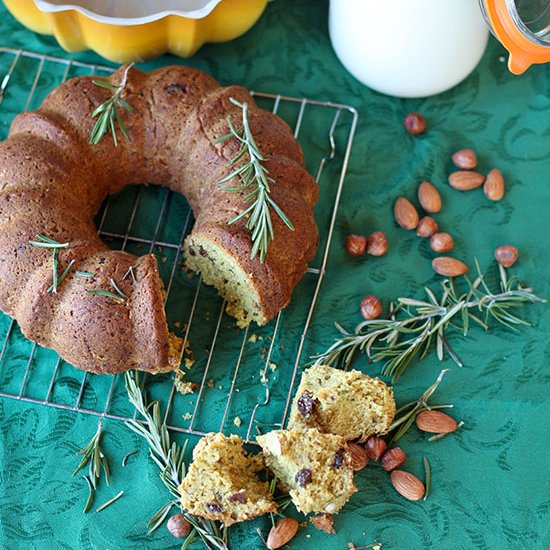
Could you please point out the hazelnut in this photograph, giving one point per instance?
(178, 526)
(426, 227)
(414, 124)
(359, 458)
(356, 245)
(371, 308)
(377, 244)
(506, 255)
(392, 459)
(375, 447)
(441, 242)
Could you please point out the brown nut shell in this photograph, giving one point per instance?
(392, 459)
(405, 213)
(435, 422)
(407, 485)
(464, 180)
(449, 267)
(371, 308)
(356, 245)
(506, 255)
(359, 458)
(465, 159)
(429, 197)
(426, 227)
(441, 242)
(414, 123)
(377, 244)
(494, 185)
(283, 531)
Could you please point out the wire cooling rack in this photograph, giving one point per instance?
(236, 373)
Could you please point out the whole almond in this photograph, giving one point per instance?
(283, 531)
(494, 185)
(405, 213)
(449, 267)
(464, 180)
(506, 255)
(407, 485)
(435, 422)
(426, 227)
(359, 458)
(441, 242)
(375, 447)
(429, 197)
(393, 458)
(465, 159)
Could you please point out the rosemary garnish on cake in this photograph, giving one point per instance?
(42, 241)
(415, 327)
(108, 112)
(169, 457)
(248, 167)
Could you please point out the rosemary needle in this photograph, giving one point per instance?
(116, 287)
(90, 500)
(59, 280)
(127, 456)
(86, 274)
(106, 293)
(109, 502)
(428, 470)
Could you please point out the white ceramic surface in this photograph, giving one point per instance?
(408, 48)
(131, 12)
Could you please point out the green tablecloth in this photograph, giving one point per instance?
(490, 480)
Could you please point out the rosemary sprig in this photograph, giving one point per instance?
(60, 279)
(85, 274)
(94, 456)
(108, 112)
(254, 178)
(118, 291)
(42, 241)
(406, 414)
(169, 457)
(422, 324)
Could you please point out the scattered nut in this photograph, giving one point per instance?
(375, 447)
(392, 459)
(405, 213)
(506, 255)
(494, 185)
(407, 485)
(371, 308)
(441, 242)
(323, 522)
(435, 422)
(465, 159)
(359, 458)
(178, 526)
(464, 180)
(414, 124)
(377, 244)
(284, 531)
(426, 227)
(356, 245)
(449, 267)
(429, 197)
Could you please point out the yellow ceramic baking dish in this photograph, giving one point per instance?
(163, 31)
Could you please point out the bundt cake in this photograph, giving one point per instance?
(346, 403)
(53, 181)
(221, 483)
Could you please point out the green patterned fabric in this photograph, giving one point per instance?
(489, 480)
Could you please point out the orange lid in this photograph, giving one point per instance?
(523, 51)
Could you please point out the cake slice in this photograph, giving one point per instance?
(221, 483)
(314, 467)
(346, 403)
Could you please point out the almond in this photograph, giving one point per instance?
(435, 422)
(429, 197)
(506, 255)
(407, 485)
(464, 180)
(426, 227)
(375, 447)
(441, 242)
(494, 185)
(359, 458)
(405, 213)
(284, 531)
(465, 159)
(449, 267)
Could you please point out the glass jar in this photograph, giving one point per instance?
(523, 27)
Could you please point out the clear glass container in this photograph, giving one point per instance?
(523, 27)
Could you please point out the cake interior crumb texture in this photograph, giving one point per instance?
(221, 482)
(346, 403)
(314, 467)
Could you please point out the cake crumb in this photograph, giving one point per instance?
(237, 421)
(273, 367)
(187, 416)
(323, 522)
(253, 338)
(188, 362)
(177, 324)
(211, 383)
(181, 385)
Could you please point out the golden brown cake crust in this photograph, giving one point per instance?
(52, 182)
